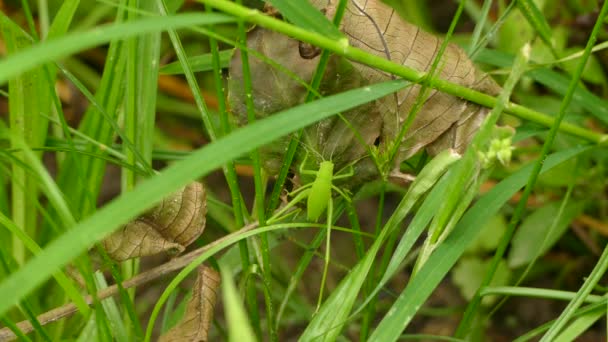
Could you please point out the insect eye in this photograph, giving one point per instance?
(308, 51)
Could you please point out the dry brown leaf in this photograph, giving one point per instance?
(169, 227)
(194, 326)
(445, 121)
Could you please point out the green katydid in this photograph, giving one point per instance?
(318, 195)
(318, 192)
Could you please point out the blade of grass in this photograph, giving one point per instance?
(199, 63)
(119, 330)
(553, 80)
(16, 64)
(327, 323)
(239, 328)
(589, 309)
(27, 125)
(538, 21)
(129, 205)
(446, 255)
(11, 325)
(67, 285)
(143, 55)
(305, 15)
(227, 241)
(519, 210)
(229, 169)
(357, 55)
(259, 197)
(8, 265)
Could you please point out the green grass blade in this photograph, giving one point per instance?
(553, 80)
(579, 326)
(590, 282)
(357, 55)
(327, 323)
(26, 125)
(446, 255)
(192, 82)
(150, 191)
(198, 63)
(68, 286)
(538, 21)
(58, 48)
(239, 328)
(306, 16)
(63, 18)
(11, 325)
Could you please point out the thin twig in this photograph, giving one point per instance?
(172, 265)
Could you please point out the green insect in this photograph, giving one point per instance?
(318, 195)
(318, 192)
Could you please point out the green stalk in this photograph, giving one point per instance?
(370, 309)
(424, 90)
(27, 125)
(342, 48)
(259, 187)
(295, 139)
(521, 205)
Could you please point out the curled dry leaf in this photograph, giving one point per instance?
(194, 326)
(168, 227)
(445, 121)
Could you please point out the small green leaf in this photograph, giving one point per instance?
(490, 235)
(469, 272)
(532, 237)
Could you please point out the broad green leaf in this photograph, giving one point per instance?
(514, 33)
(469, 272)
(532, 238)
(489, 237)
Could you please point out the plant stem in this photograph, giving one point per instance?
(342, 48)
(145, 277)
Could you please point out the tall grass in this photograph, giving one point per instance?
(51, 220)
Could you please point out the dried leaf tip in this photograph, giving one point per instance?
(195, 324)
(169, 227)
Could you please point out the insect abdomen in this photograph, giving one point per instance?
(320, 191)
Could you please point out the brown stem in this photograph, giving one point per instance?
(172, 265)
